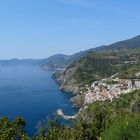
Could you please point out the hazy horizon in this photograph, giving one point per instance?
(39, 29)
(66, 54)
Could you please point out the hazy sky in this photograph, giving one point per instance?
(40, 28)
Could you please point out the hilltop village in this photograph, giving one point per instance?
(110, 88)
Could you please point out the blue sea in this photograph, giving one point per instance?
(31, 92)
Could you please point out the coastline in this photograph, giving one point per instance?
(77, 98)
(73, 99)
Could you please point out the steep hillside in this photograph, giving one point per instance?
(98, 65)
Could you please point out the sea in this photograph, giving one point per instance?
(31, 92)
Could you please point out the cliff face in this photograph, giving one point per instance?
(67, 83)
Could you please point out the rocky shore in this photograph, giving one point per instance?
(69, 87)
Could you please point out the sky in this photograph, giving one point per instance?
(41, 28)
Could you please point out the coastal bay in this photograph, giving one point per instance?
(31, 92)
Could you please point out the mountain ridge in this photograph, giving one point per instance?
(62, 60)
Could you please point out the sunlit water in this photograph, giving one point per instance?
(32, 93)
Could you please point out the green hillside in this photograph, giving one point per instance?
(98, 65)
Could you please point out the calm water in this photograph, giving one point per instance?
(32, 93)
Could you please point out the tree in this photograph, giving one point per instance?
(12, 130)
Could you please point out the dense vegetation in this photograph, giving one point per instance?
(96, 66)
(12, 130)
(122, 129)
(116, 120)
(130, 72)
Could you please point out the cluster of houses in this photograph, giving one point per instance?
(110, 88)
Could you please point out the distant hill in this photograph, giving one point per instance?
(66, 60)
(62, 60)
(13, 62)
(125, 44)
(55, 60)
(58, 60)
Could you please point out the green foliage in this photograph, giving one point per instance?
(95, 67)
(130, 72)
(124, 129)
(94, 120)
(12, 130)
